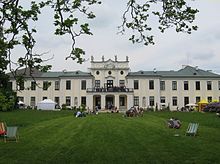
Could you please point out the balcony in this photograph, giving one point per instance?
(110, 89)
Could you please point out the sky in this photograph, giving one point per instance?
(170, 52)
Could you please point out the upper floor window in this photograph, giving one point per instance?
(21, 85)
(151, 84)
(97, 72)
(136, 84)
(97, 83)
(57, 85)
(197, 85)
(33, 85)
(68, 85)
(162, 85)
(186, 85)
(209, 85)
(45, 85)
(174, 85)
(121, 83)
(83, 85)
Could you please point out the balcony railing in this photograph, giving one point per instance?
(112, 89)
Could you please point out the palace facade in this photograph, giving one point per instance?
(111, 83)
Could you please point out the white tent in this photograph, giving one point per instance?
(46, 104)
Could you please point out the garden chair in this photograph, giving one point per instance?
(11, 134)
(192, 129)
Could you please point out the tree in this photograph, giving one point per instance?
(16, 29)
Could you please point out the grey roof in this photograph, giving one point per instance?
(37, 74)
(188, 71)
(66, 74)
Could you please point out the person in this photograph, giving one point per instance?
(78, 114)
(176, 123)
(170, 122)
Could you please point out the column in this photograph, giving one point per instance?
(117, 101)
(102, 101)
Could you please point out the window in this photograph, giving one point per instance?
(44, 98)
(33, 101)
(162, 85)
(136, 84)
(57, 100)
(163, 99)
(209, 85)
(20, 98)
(97, 83)
(83, 85)
(218, 85)
(186, 85)
(68, 85)
(68, 100)
(9, 85)
(151, 84)
(209, 98)
(97, 72)
(174, 101)
(21, 85)
(122, 72)
(151, 100)
(186, 100)
(198, 99)
(174, 85)
(57, 85)
(197, 85)
(83, 100)
(109, 72)
(121, 83)
(45, 85)
(33, 85)
(136, 101)
(122, 101)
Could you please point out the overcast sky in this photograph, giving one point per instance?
(171, 51)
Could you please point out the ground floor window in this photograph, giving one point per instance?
(136, 101)
(83, 100)
(209, 99)
(68, 100)
(174, 101)
(122, 101)
(57, 100)
(151, 100)
(186, 100)
(163, 99)
(44, 97)
(33, 101)
(198, 99)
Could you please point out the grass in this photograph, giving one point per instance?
(58, 137)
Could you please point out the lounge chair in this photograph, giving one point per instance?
(11, 134)
(192, 129)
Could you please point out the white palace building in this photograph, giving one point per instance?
(110, 82)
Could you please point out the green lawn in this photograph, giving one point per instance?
(58, 137)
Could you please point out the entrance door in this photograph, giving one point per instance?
(109, 102)
(109, 84)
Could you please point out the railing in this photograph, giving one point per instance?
(112, 89)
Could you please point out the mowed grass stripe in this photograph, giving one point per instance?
(110, 138)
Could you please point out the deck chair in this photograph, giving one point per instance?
(192, 129)
(11, 134)
(2, 128)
